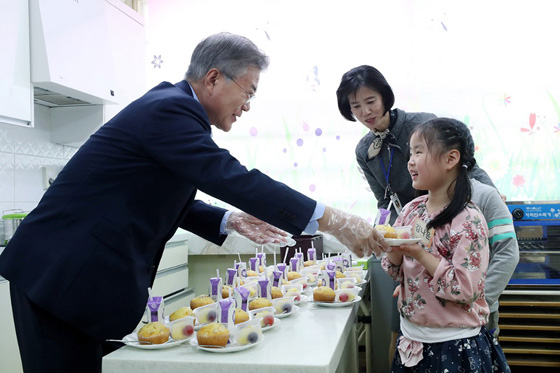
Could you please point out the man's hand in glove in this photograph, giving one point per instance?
(255, 229)
(353, 232)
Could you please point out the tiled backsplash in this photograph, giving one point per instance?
(23, 153)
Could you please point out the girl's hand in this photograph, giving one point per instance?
(417, 252)
(412, 250)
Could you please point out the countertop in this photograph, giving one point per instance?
(312, 340)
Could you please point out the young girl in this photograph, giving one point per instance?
(441, 300)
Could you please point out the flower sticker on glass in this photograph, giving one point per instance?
(532, 122)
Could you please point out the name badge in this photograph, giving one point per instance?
(397, 203)
(420, 230)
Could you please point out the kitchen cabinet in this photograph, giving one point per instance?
(16, 91)
(127, 37)
(127, 41)
(172, 277)
(9, 351)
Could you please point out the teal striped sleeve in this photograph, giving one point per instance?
(500, 229)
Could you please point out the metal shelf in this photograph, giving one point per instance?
(530, 327)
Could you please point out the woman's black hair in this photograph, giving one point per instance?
(442, 135)
(362, 76)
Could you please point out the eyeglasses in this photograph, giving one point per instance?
(250, 96)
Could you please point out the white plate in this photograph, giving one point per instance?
(398, 242)
(228, 348)
(339, 304)
(276, 322)
(132, 341)
(282, 315)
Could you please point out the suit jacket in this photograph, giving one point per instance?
(90, 249)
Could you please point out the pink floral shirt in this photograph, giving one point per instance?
(454, 296)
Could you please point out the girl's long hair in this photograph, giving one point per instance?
(442, 135)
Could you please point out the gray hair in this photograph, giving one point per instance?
(229, 53)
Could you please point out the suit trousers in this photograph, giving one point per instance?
(48, 344)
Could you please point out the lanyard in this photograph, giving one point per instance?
(393, 196)
(386, 172)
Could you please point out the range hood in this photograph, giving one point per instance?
(71, 57)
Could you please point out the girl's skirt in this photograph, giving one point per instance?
(481, 353)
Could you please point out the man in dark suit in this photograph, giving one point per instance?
(81, 262)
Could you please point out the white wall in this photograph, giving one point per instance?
(23, 153)
(490, 64)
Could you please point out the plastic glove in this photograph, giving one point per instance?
(353, 232)
(257, 230)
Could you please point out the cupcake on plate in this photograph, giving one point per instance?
(259, 303)
(200, 301)
(240, 316)
(180, 313)
(275, 292)
(154, 333)
(324, 294)
(292, 275)
(227, 290)
(214, 334)
(386, 230)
